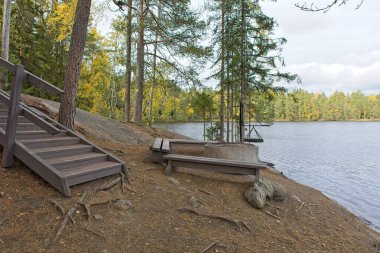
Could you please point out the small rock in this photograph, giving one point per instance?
(255, 196)
(279, 193)
(2, 194)
(123, 204)
(98, 217)
(158, 188)
(194, 202)
(132, 165)
(267, 187)
(173, 181)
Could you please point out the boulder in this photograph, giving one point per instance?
(266, 185)
(279, 193)
(255, 195)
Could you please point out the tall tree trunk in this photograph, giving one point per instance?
(137, 117)
(127, 109)
(242, 72)
(154, 65)
(68, 102)
(222, 84)
(5, 38)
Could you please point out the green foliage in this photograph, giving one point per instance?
(305, 106)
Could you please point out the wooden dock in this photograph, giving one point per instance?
(58, 155)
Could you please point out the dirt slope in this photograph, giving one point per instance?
(154, 223)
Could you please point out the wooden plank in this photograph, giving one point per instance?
(51, 141)
(42, 123)
(44, 170)
(157, 144)
(10, 130)
(216, 161)
(65, 162)
(78, 179)
(225, 169)
(9, 66)
(51, 152)
(165, 145)
(20, 119)
(43, 84)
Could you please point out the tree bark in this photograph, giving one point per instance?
(5, 38)
(6, 28)
(127, 115)
(222, 84)
(137, 116)
(242, 72)
(68, 102)
(154, 66)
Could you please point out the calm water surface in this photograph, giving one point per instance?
(342, 159)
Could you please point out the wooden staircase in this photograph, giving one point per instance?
(55, 153)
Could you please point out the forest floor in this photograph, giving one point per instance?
(155, 216)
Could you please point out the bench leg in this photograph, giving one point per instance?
(169, 168)
(257, 175)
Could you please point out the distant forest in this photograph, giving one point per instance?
(303, 105)
(297, 105)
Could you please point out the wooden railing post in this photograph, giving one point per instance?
(14, 109)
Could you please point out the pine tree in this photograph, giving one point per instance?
(67, 108)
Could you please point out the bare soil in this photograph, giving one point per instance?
(307, 221)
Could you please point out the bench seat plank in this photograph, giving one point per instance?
(157, 144)
(216, 161)
(218, 165)
(165, 146)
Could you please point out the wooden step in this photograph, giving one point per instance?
(80, 174)
(21, 119)
(33, 134)
(23, 126)
(50, 142)
(67, 162)
(51, 152)
(38, 134)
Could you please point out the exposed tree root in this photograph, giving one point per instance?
(87, 207)
(238, 223)
(300, 207)
(272, 215)
(69, 215)
(212, 245)
(56, 204)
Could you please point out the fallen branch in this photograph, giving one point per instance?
(208, 193)
(122, 182)
(56, 204)
(94, 232)
(276, 207)
(238, 223)
(212, 245)
(272, 215)
(300, 207)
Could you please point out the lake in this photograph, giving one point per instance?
(342, 159)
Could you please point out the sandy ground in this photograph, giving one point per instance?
(307, 221)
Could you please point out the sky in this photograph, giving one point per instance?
(337, 50)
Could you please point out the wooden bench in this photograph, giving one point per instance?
(162, 147)
(159, 148)
(214, 164)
